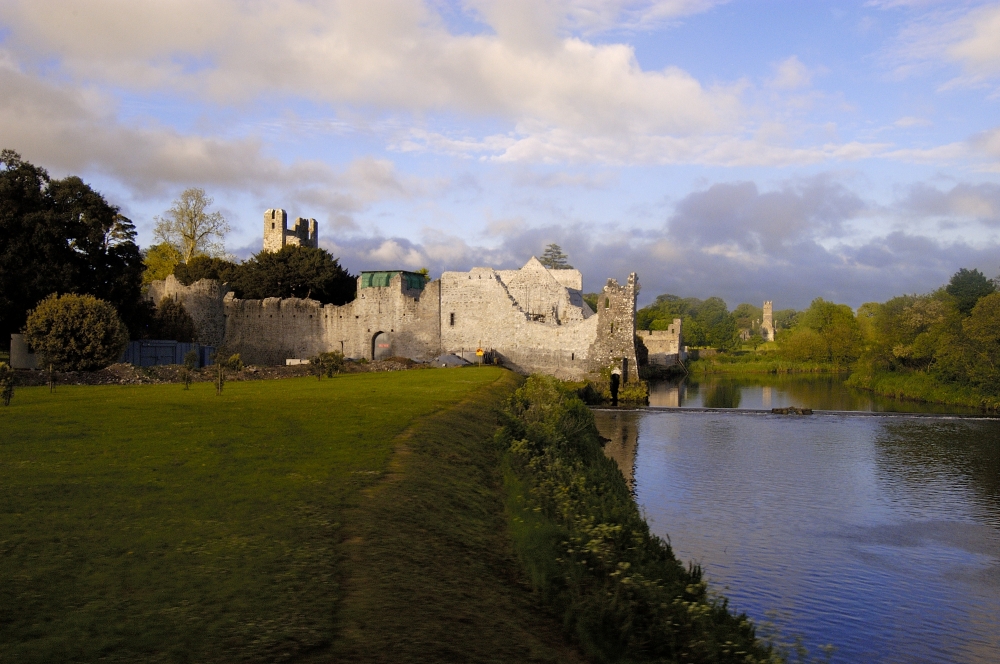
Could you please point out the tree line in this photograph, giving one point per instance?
(62, 244)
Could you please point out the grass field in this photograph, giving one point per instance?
(152, 523)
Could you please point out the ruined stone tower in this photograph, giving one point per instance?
(277, 235)
(767, 325)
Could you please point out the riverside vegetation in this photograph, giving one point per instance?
(941, 347)
(617, 588)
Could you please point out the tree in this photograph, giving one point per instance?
(554, 259)
(76, 332)
(967, 287)
(172, 321)
(294, 271)
(61, 236)
(159, 262)
(191, 228)
(203, 267)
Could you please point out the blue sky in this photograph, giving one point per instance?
(748, 149)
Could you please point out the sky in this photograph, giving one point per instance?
(749, 149)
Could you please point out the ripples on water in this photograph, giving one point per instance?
(880, 536)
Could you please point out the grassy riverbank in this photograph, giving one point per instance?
(618, 589)
(920, 386)
(151, 523)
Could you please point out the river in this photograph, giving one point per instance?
(876, 534)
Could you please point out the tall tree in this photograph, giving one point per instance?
(190, 227)
(159, 261)
(967, 287)
(61, 236)
(554, 259)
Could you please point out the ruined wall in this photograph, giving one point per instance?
(277, 235)
(203, 300)
(767, 325)
(615, 334)
(663, 347)
(461, 311)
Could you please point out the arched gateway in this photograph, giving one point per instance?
(380, 346)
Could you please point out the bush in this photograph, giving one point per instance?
(76, 332)
(172, 321)
(6, 383)
(234, 363)
(327, 364)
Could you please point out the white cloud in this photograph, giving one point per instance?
(790, 74)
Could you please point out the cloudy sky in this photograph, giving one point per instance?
(747, 149)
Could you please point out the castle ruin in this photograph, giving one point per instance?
(277, 235)
(533, 319)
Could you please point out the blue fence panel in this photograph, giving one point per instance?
(153, 352)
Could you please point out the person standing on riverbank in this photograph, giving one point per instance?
(616, 378)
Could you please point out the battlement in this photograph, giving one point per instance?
(277, 235)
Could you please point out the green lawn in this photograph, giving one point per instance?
(151, 523)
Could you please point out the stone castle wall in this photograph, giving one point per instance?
(534, 321)
(663, 347)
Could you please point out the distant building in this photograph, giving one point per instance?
(767, 326)
(277, 235)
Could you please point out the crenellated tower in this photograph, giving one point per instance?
(277, 235)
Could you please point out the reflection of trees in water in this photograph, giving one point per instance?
(621, 428)
(724, 394)
(952, 454)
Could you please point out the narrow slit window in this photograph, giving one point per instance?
(451, 319)
(607, 302)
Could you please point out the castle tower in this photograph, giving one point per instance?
(767, 325)
(277, 235)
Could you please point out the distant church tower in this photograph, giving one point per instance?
(767, 326)
(277, 235)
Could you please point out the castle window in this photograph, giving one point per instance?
(451, 320)
(272, 225)
(607, 302)
(572, 356)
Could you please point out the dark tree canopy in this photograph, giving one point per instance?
(554, 259)
(203, 267)
(302, 272)
(61, 236)
(172, 321)
(967, 287)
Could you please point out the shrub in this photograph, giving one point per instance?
(234, 363)
(6, 383)
(327, 364)
(76, 332)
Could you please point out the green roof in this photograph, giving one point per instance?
(381, 279)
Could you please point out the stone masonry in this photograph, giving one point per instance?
(664, 347)
(277, 235)
(533, 318)
(767, 325)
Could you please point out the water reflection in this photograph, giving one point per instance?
(878, 535)
(621, 429)
(764, 392)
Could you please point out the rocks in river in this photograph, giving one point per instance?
(792, 410)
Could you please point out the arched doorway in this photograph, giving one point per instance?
(380, 346)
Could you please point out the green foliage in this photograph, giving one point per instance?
(159, 262)
(967, 287)
(205, 267)
(591, 299)
(595, 392)
(704, 322)
(748, 316)
(825, 332)
(76, 332)
(172, 321)
(619, 589)
(327, 364)
(6, 383)
(234, 363)
(61, 236)
(554, 259)
(302, 272)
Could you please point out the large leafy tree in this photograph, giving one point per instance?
(967, 287)
(294, 272)
(61, 236)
